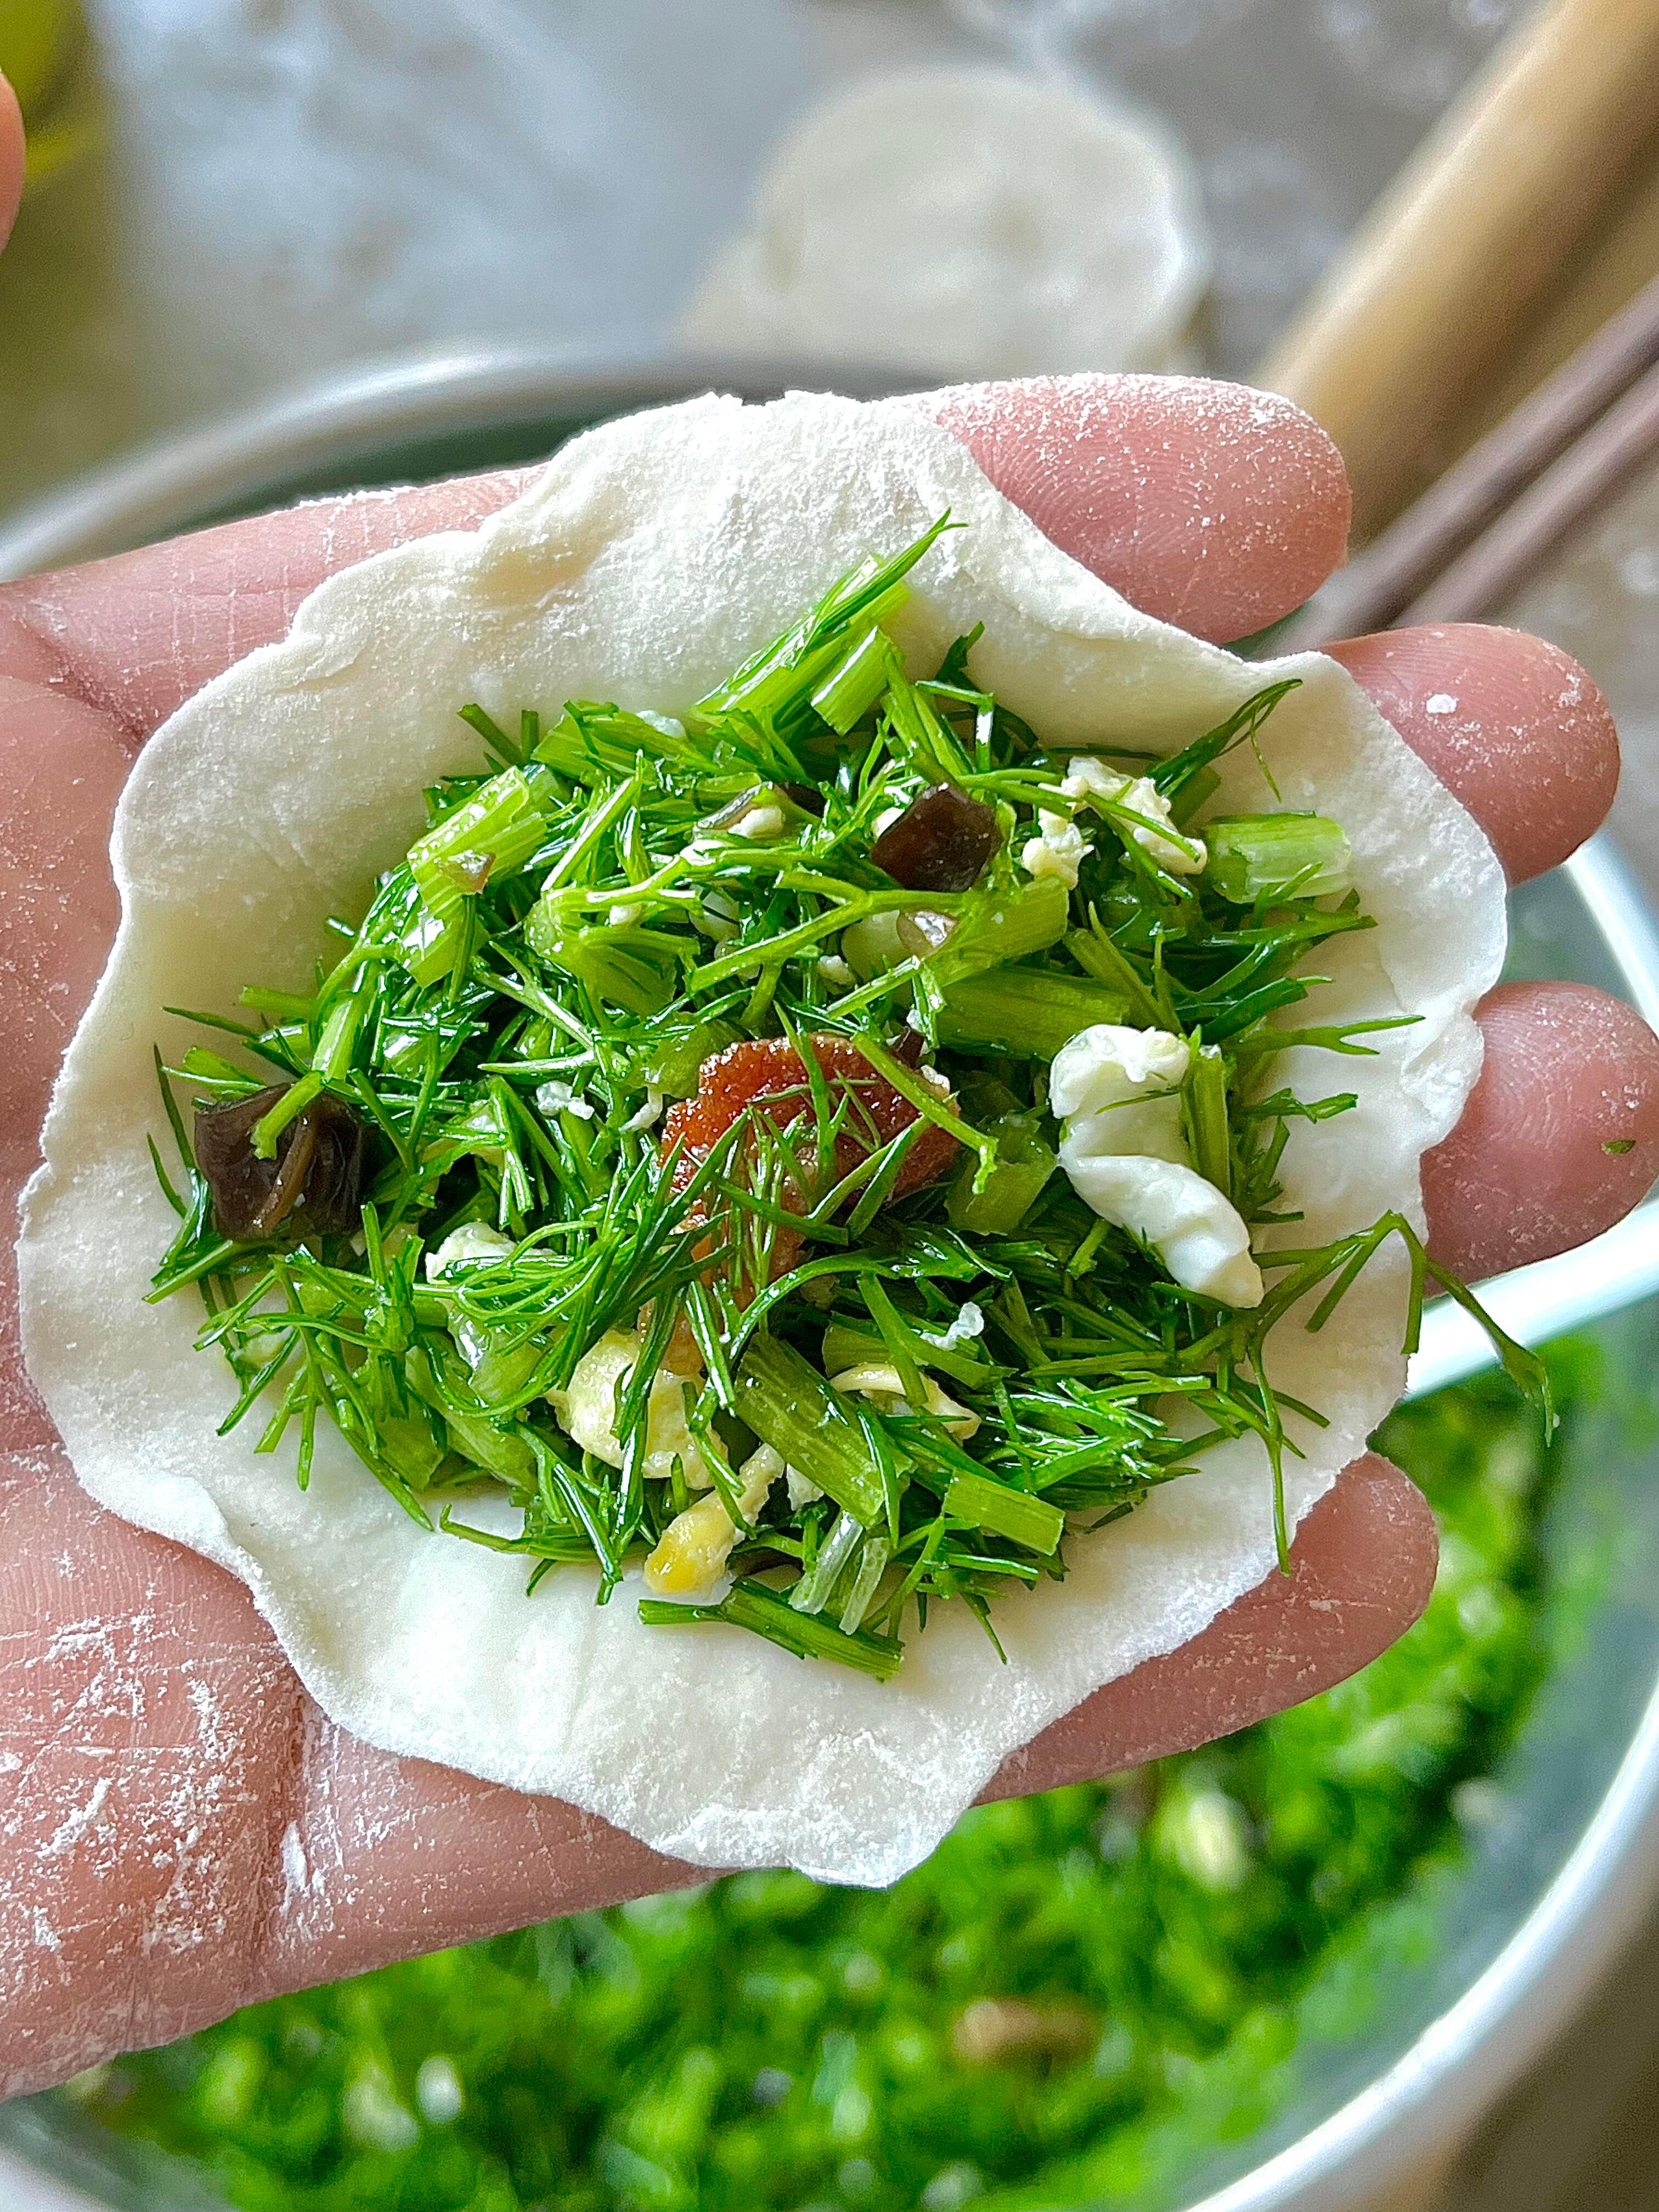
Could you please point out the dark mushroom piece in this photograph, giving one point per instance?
(941, 841)
(315, 1182)
(806, 796)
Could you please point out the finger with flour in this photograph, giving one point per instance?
(1210, 505)
(1509, 722)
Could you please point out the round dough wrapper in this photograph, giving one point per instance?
(964, 222)
(648, 559)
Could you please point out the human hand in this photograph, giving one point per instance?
(181, 1831)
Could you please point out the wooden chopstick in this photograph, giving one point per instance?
(1465, 250)
(1496, 513)
(1585, 477)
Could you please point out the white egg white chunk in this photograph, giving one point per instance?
(474, 1244)
(1090, 781)
(1060, 848)
(1195, 1231)
(1119, 1093)
(1134, 1075)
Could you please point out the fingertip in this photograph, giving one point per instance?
(1207, 504)
(1376, 1552)
(1364, 1562)
(1561, 1137)
(1510, 724)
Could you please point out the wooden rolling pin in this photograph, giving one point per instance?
(1446, 274)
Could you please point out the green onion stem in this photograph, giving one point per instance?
(852, 687)
(752, 1605)
(995, 927)
(1257, 856)
(812, 1592)
(790, 1407)
(1011, 1513)
(1207, 1114)
(1023, 1165)
(292, 1104)
(860, 1596)
(1028, 1012)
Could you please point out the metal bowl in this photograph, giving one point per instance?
(1552, 1886)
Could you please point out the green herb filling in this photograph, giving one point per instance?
(669, 1147)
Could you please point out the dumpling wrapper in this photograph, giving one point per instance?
(1074, 238)
(651, 557)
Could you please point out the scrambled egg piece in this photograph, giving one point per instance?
(588, 1410)
(882, 1385)
(473, 1244)
(690, 1558)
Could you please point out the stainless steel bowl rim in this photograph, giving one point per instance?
(169, 484)
(1424, 2104)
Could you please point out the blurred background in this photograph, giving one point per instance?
(383, 237)
(247, 192)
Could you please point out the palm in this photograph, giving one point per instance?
(180, 1829)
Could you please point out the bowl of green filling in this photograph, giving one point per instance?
(1268, 1972)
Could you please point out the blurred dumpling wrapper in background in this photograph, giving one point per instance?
(967, 223)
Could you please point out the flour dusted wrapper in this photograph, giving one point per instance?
(648, 559)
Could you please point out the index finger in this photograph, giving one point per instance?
(1205, 503)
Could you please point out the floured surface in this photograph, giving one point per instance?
(653, 556)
